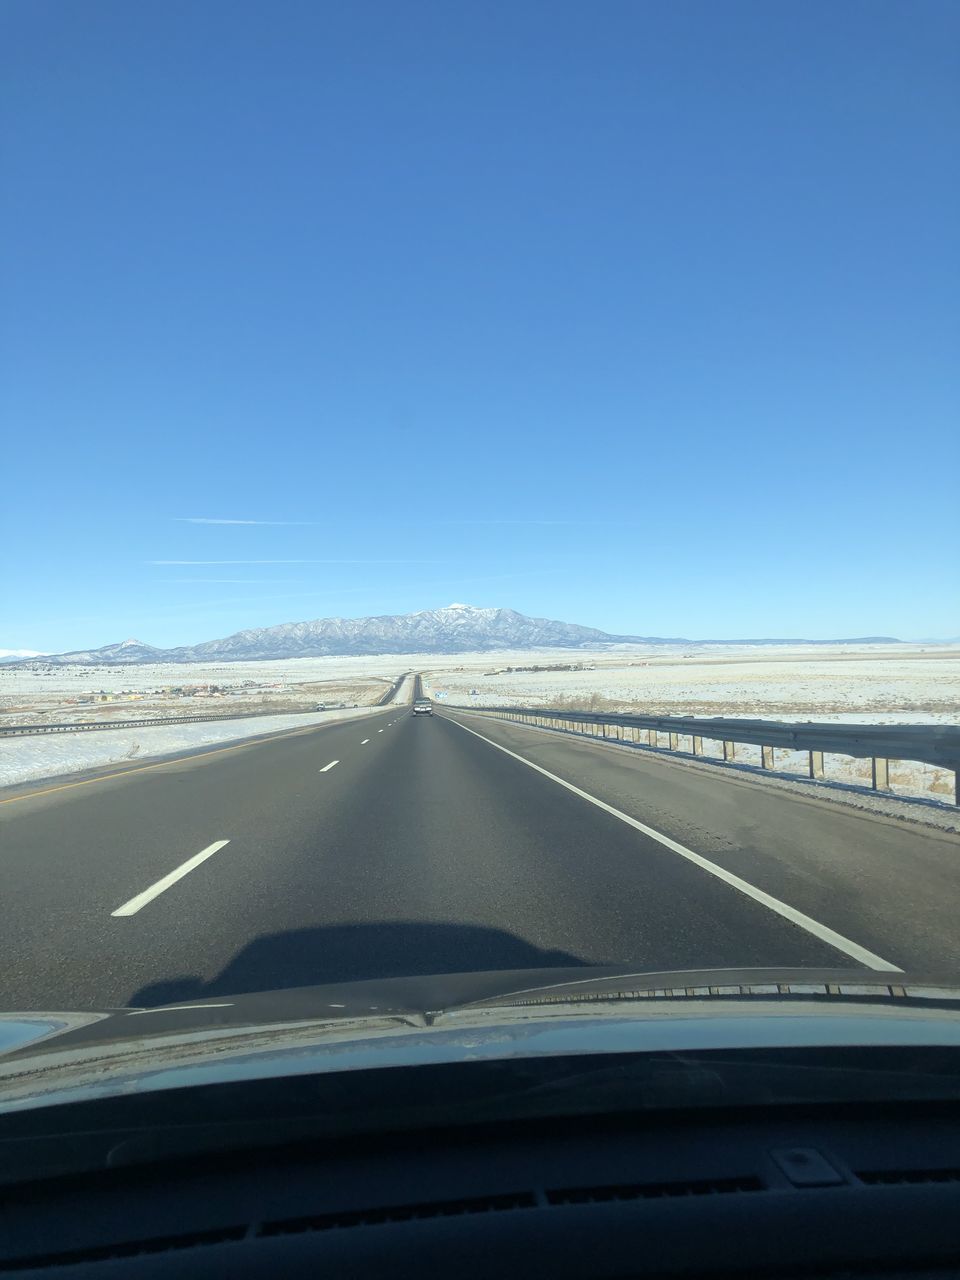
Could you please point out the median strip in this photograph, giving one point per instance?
(134, 905)
(814, 927)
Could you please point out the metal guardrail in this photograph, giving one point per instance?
(88, 726)
(937, 745)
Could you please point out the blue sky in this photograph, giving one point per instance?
(640, 315)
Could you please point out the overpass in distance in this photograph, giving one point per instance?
(396, 845)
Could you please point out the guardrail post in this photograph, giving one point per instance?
(729, 751)
(816, 764)
(674, 741)
(766, 757)
(696, 744)
(880, 774)
(652, 738)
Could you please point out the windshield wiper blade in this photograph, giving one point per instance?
(862, 989)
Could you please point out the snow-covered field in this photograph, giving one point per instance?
(129, 693)
(291, 671)
(53, 755)
(906, 684)
(886, 685)
(868, 684)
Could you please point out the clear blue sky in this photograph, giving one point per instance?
(640, 315)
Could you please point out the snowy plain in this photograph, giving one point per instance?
(881, 684)
(54, 755)
(876, 684)
(906, 684)
(25, 681)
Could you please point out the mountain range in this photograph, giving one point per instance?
(458, 628)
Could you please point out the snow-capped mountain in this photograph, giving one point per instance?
(458, 628)
(13, 655)
(127, 652)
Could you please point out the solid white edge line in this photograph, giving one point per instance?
(821, 931)
(327, 767)
(176, 1008)
(133, 906)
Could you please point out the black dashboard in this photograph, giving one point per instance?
(780, 1191)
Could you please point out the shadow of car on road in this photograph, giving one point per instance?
(329, 954)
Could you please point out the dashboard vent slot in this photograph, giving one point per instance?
(126, 1249)
(399, 1213)
(898, 1177)
(653, 1190)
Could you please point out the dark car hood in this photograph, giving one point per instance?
(55, 1056)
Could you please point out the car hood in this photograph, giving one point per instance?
(48, 1057)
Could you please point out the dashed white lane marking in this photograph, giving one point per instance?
(133, 906)
(364, 742)
(327, 767)
(379, 731)
(821, 931)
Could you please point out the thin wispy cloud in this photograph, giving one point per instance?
(580, 524)
(214, 562)
(245, 582)
(217, 520)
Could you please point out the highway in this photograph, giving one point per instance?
(395, 845)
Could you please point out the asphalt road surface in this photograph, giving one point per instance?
(396, 845)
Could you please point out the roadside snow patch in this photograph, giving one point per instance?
(51, 756)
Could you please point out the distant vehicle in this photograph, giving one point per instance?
(321, 706)
(423, 707)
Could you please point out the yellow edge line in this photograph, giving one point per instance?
(163, 764)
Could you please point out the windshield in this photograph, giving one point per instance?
(583, 376)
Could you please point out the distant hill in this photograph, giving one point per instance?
(13, 655)
(458, 628)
